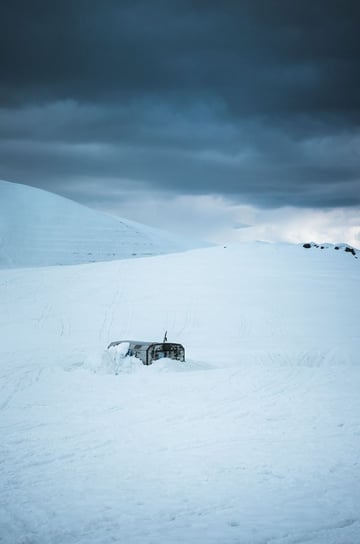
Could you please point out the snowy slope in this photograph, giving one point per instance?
(255, 439)
(38, 228)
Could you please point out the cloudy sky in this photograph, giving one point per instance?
(231, 120)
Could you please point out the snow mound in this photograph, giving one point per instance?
(168, 365)
(38, 228)
(115, 360)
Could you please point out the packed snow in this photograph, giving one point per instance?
(254, 439)
(38, 228)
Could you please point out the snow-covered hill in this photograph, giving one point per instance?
(38, 228)
(256, 438)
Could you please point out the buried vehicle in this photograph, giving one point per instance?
(151, 351)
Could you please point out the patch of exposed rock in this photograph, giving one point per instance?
(342, 247)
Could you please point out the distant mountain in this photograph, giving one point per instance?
(38, 228)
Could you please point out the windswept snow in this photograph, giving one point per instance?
(254, 439)
(38, 228)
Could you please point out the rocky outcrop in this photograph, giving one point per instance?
(338, 247)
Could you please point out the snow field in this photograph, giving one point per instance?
(256, 439)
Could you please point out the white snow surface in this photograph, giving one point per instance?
(254, 439)
(38, 228)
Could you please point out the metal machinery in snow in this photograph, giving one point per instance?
(152, 351)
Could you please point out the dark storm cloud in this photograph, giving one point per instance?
(255, 55)
(255, 99)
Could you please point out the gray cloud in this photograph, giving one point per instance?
(258, 56)
(256, 100)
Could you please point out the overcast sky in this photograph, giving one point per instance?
(227, 120)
